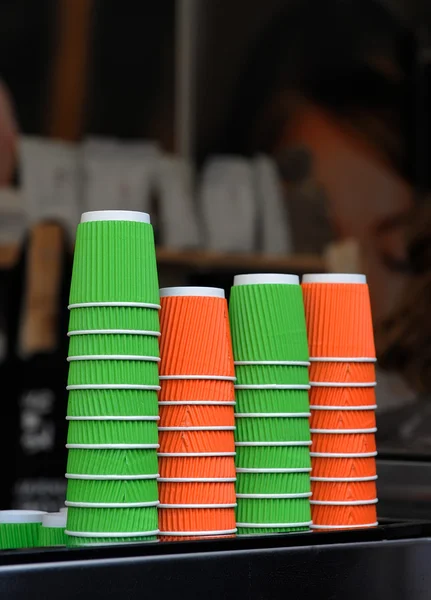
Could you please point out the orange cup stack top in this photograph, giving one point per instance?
(197, 423)
(342, 401)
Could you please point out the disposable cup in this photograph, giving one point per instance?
(272, 429)
(196, 337)
(195, 389)
(196, 441)
(89, 403)
(113, 344)
(267, 457)
(20, 528)
(197, 467)
(342, 396)
(114, 261)
(344, 491)
(344, 443)
(112, 491)
(184, 415)
(278, 374)
(197, 520)
(261, 331)
(342, 372)
(52, 530)
(112, 432)
(343, 467)
(114, 317)
(274, 510)
(191, 538)
(268, 401)
(342, 419)
(112, 462)
(74, 541)
(136, 372)
(197, 493)
(344, 515)
(112, 520)
(338, 316)
(273, 483)
(248, 531)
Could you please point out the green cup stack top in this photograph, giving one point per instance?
(113, 380)
(20, 528)
(272, 435)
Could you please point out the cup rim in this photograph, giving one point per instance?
(192, 291)
(265, 279)
(356, 278)
(115, 215)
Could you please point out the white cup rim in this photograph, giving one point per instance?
(115, 215)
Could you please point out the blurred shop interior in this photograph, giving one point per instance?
(279, 136)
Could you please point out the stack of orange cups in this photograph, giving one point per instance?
(342, 401)
(197, 423)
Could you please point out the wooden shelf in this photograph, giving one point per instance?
(205, 260)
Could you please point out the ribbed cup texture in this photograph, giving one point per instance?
(119, 491)
(272, 401)
(75, 542)
(135, 372)
(197, 340)
(93, 403)
(343, 372)
(344, 515)
(273, 483)
(112, 432)
(343, 467)
(196, 519)
(196, 389)
(272, 457)
(269, 530)
(342, 396)
(267, 323)
(19, 535)
(114, 317)
(52, 536)
(274, 374)
(190, 415)
(111, 520)
(113, 344)
(197, 493)
(114, 261)
(272, 429)
(344, 491)
(339, 320)
(112, 462)
(193, 538)
(219, 467)
(344, 443)
(196, 441)
(274, 510)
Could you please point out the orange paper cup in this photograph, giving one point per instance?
(338, 315)
(191, 415)
(196, 389)
(197, 520)
(195, 335)
(343, 467)
(342, 419)
(343, 491)
(344, 515)
(343, 443)
(196, 493)
(202, 467)
(196, 441)
(342, 372)
(190, 538)
(342, 396)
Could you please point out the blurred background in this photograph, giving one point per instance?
(277, 135)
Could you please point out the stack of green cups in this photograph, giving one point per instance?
(272, 408)
(20, 528)
(113, 382)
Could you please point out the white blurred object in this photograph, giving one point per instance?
(13, 218)
(276, 227)
(177, 214)
(344, 256)
(117, 174)
(49, 181)
(228, 202)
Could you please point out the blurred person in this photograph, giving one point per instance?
(8, 137)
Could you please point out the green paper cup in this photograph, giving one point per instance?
(112, 432)
(136, 521)
(271, 374)
(272, 429)
(111, 403)
(270, 530)
(276, 512)
(101, 318)
(52, 530)
(115, 260)
(272, 401)
(113, 345)
(273, 483)
(112, 462)
(272, 457)
(119, 491)
(20, 528)
(82, 542)
(267, 318)
(134, 372)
